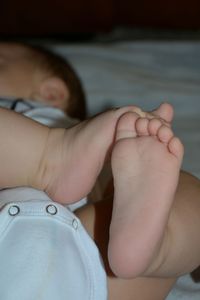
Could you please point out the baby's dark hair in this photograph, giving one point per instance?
(58, 66)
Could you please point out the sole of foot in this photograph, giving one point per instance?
(146, 162)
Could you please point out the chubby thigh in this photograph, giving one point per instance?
(96, 219)
(46, 254)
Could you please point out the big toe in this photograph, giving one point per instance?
(165, 111)
(126, 126)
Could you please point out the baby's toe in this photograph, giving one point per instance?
(165, 111)
(154, 125)
(176, 147)
(165, 134)
(142, 126)
(126, 126)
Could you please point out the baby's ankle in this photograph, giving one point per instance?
(50, 159)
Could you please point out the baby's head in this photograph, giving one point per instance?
(37, 74)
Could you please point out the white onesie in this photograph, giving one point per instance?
(45, 253)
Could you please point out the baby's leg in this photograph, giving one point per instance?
(146, 162)
(74, 157)
(77, 160)
(22, 144)
(96, 220)
(63, 162)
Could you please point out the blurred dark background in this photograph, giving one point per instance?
(76, 18)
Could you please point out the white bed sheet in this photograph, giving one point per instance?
(146, 74)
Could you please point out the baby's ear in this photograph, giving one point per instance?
(55, 92)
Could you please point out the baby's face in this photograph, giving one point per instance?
(17, 76)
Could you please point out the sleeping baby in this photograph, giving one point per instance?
(45, 250)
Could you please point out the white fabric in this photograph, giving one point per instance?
(46, 256)
(39, 112)
(185, 289)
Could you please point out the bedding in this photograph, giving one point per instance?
(146, 74)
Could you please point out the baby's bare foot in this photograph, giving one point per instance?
(74, 157)
(146, 161)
